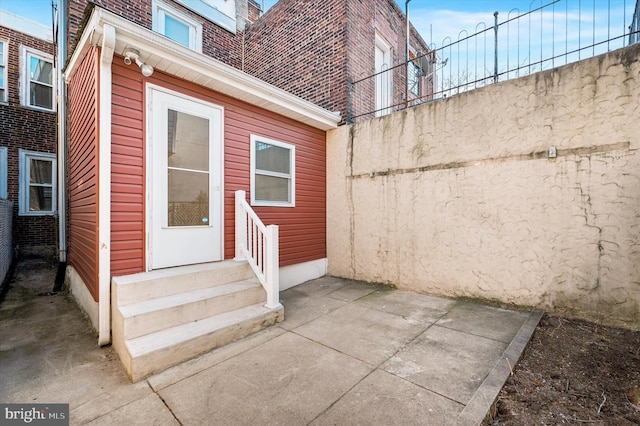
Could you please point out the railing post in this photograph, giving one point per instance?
(272, 267)
(495, 48)
(241, 226)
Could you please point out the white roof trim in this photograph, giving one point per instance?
(172, 58)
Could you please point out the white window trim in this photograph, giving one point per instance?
(5, 65)
(4, 171)
(195, 27)
(25, 54)
(292, 177)
(384, 83)
(23, 176)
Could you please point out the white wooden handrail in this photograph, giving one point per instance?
(258, 245)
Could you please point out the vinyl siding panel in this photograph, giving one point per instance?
(83, 170)
(127, 171)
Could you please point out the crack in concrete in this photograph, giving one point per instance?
(350, 202)
(536, 155)
(587, 208)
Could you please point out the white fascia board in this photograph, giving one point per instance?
(172, 58)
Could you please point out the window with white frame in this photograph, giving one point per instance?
(384, 76)
(4, 171)
(3, 70)
(37, 78)
(37, 187)
(272, 172)
(177, 25)
(413, 75)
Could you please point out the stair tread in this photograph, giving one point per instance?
(172, 336)
(133, 279)
(179, 299)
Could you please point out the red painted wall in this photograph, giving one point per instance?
(302, 228)
(82, 252)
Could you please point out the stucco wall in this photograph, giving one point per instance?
(459, 197)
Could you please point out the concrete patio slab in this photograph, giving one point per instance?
(203, 362)
(410, 305)
(146, 411)
(366, 334)
(322, 286)
(49, 353)
(347, 353)
(486, 321)
(353, 290)
(384, 399)
(449, 362)
(300, 309)
(288, 380)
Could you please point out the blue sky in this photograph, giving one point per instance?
(434, 19)
(36, 10)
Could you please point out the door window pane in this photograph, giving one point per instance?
(188, 169)
(188, 141)
(188, 196)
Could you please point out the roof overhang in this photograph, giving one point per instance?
(174, 59)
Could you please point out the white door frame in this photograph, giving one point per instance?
(217, 193)
(383, 82)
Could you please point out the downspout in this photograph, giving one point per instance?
(104, 186)
(61, 38)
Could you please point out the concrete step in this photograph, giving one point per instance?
(138, 319)
(151, 353)
(130, 289)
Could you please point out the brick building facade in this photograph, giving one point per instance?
(28, 126)
(314, 49)
(223, 44)
(309, 48)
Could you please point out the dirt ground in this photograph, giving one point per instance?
(573, 372)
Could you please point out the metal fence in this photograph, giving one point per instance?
(6, 245)
(634, 28)
(520, 43)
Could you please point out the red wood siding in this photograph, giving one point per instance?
(83, 170)
(127, 170)
(302, 228)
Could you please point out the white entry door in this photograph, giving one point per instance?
(184, 180)
(384, 77)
